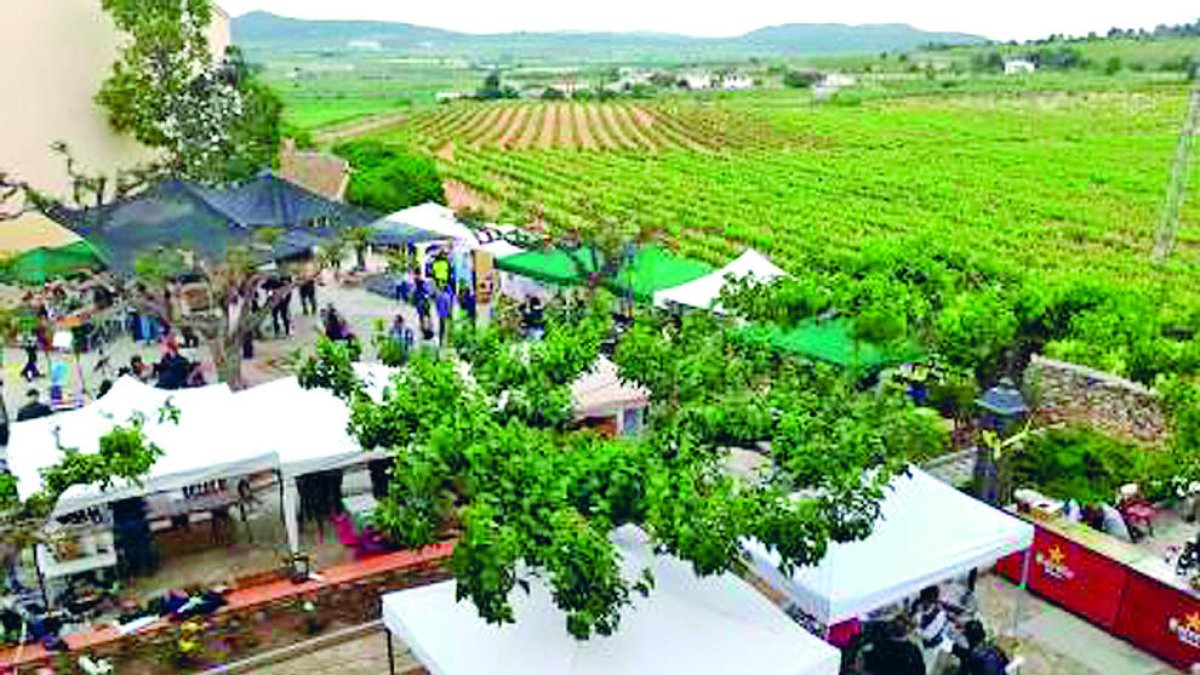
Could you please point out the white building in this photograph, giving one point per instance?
(1019, 66)
(696, 81)
(737, 82)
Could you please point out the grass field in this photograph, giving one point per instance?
(1052, 183)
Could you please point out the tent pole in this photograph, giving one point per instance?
(291, 522)
(1019, 609)
(391, 654)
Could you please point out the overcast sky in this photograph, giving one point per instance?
(1011, 19)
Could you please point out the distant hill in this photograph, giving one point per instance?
(265, 31)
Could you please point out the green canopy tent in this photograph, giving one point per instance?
(38, 265)
(652, 269)
(832, 341)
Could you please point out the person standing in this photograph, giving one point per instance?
(895, 654)
(979, 657)
(423, 304)
(30, 372)
(440, 270)
(402, 335)
(466, 300)
(308, 295)
(445, 306)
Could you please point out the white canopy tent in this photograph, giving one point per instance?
(313, 438)
(687, 624)
(704, 292)
(202, 446)
(437, 219)
(928, 532)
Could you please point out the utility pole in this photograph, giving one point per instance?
(1168, 226)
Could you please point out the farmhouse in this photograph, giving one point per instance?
(736, 82)
(1019, 66)
(696, 81)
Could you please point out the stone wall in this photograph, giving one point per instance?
(1066, 392)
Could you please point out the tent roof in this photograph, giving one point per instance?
(653, 269)
(270, 201)
(30, 231)
(704, 292)
(830, 340)
(315, 437)
(601, 392)
(928, 532)
(502, 248)
(203, 446)
(434, 219)
(688, 624)
(38, 265)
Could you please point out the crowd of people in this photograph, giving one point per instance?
(932, 635)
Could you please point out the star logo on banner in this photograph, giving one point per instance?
(1057, 557)
(1192, 622)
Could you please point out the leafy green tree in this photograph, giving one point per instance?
(485, 449)
(124, 454)
(389, 178)
(213, 121)
(801, 79)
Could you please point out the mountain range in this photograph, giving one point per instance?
(266, 31)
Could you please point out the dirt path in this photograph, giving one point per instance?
(460, 196)
(582, 129)
(506, 139)
(359, 127)
(549, 126)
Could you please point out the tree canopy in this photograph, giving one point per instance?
(389, 178)
(212, 120)
(485, 448)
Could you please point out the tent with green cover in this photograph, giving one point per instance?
(652, 269)
(38, 265)
(831, 340)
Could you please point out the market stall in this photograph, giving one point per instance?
(704, 293)
(1129, 590)
(313, 440)
(428, 221)
(927, 532)
(651, 269)
(687, 624)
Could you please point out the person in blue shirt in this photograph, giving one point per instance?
(445, 305)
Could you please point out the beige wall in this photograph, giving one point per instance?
(57, 53)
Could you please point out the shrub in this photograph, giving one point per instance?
(389, 178)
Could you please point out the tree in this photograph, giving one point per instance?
(484, 448)
(801, 79)
(1112, 66)
(226, 317)
(124, 454)
(212, 121)
(552, 94)
(493, 88)
(389, 178)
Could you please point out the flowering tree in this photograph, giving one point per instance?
(213, 122)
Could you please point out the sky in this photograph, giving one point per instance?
(1008, 20)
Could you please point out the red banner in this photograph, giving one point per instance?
(1164, 621)
(1077, 579)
